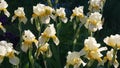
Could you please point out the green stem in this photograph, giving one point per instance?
(58, 57)
(90, 63)
(20, 31)
(56, 1)
(109, 64)
(44, 60)
(36, 54)
(49, 3)
(15, 66)
(45, 64)
(38, 25)
(58, 27)
(20, 42)
(76, 36)
(91, 33)
(114, 53)
(31, 59)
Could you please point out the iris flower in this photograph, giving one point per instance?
(20, 14)
(28, 39)
(60, 13)
(92, 49)
(113, 40)
(6, 50)
(42, 12)
(78, 13)
(3, 6)
(94, 22)
(73, 58)
(48, 33)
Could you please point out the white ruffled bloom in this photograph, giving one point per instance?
(2, 28)
(2, 53)
(94, 22)
(113, 40)
(78, 12)
(20, 14)
(92, 49)
(61, 14)
(6, 50)
(28, 38)
(47, 34)
(44, 50)
(109, 57)
(74, 59)
(42, 12)
(3, 6)
(96, 5)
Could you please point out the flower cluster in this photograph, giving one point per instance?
(48, 35)
(92, 49)
(74, 59)
(6, 50)
(109, 57)
(42, 12)
(113, 41)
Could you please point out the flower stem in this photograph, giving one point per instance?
(44, 60)
(31, 59)
(20, 31)
(109, 64)
(38, 25)
(49, 3)
(20, 42)
(90, 63)
(91, 33)
(76, 36)
(58, 28)
(15, 66)
(45, 64)
(56, 1)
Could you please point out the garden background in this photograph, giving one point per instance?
(111, 14)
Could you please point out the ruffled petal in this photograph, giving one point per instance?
(13, 18)
(116, 64)
(32, 20)
(102, 49)
(83, 63)
(82, 52)
(42, 40)
(45, 19)
(56, 40)
(14, 60)
(24, 20)
(2, 28)
(64, 20)
(71, 18)
(24, 47)
(49, 53)
(53, 17)
(6, 13)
